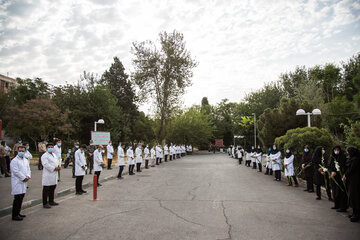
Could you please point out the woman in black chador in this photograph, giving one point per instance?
(352, 177)
(318, 174)
(337, 167)
(308, 168)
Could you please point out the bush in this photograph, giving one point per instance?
(353, 134)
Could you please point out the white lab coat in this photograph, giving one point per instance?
(166, 150)
(80, 162)
(138, 153)
(57, 153)
(130, 155)
(28, 156)
(289, 170)
(276, 161)
(146, 153)
(239, 153)
(110, 151)
(172, 150)
(253, 156)
(248, 156)
(121, 156)
(98, 160)
(153, 156)
(49, 175)
(158, 152)
(20, 169)
(258, 157)
(269, 162)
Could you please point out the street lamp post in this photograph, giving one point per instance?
(100, 121)
(300, 112)
(254, 128)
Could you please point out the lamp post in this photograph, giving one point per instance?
(254, 128)
(300, 112)
(100, 121)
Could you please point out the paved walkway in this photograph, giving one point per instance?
(204, 196)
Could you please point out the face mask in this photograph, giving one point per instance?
(20, 141)
(82, 151)
(21, 154)
(274, 148)
(269, 149)
(337, 152)
(76, 146)
(50, 150)
(287, 151)
(27, 148)
(69, 151)
(306, 150)
(59, 144)
(323, 151)
(110, 144)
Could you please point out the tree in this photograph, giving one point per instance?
(205, 106)
(223, 121)
(38, 119)
(163, 73)
(352, 133)
(27, 89)
(291, 81)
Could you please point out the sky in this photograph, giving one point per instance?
(239, 45)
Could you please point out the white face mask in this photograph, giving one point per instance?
(336, 152)
(287, 151)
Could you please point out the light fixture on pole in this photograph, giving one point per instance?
(300, 112)
(100, 121)
(254, 128)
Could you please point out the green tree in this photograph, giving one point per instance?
(27, 89)
(163, 73)
(352, 133)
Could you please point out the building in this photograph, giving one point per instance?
(6, 83)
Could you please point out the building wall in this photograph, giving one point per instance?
(6, 83)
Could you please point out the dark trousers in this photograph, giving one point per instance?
(271, 172)
(170, 157)
(73, 168)
(278, 175)
(48, 194)
(7, 159)
(146, 163)
(309, 184)
(294, 178)
(267, 171)
(78, 183)
(166, 158)
(18, 199)
(318, 190)
(98, 176)
(109, 161)
(260, 167)
(254, 165)
(131, 169)
(121, 169)
(67, 161)
(247, 163)
(40, 166)
(327, 186)
(160, 160)
(240, 160)
(138, 167)
(157, 161)
(90, 164)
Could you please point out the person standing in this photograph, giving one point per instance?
(153, 156)
(248, 157)
(98, 162)
(15, 148)
(172, 152)
(57, 152)
(3, 160)
(158, 153)
(7, 156)
(268, 165)
(42, 150)
(258, 156)
(109, 155)
(80, 163)
(318, 162)
(253, 157)
(308, 169)
(27, 155)
(121, 159)
(275, 157)
(289, 167)
(21, 174)
(73, 150)
(138, 154)
(49, 176)
(131, 162)
(90, 156)
(147, 156)
(166, 152)
(239, 155)
(352, 177)
(337, 167)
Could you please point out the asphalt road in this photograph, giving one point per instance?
(204, 196)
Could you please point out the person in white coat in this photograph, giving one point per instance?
(57, 153)
(172, 152)
(131, 162)
(268, 165)
(109, 155)
(20, 175)
(147, 156)
(166, 152)
(27, 155)
(152, 156)
(248, 157)
(98, 162)
(289, 167)
(258, 156)
(239, 154)
(80, 168)
(158, 153)
(121, 159)
(253, 157)
(49, 176)
(139, 157)
(275, 157)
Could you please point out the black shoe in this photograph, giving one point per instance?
(306, 190)
(310, 191)
(330, 199)
(350, 216)
(83, 191)
(78, 193)
(73, 176)
(17, 218)
(99, 185)
(53, 203)
(120, 178)
(157, 164)
(22, 215)
(336, 208)
(318, 198)
(341, 210)
(46, 206)
(354, 219)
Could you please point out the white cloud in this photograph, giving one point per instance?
(239, 44)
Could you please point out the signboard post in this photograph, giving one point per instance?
(100, 138)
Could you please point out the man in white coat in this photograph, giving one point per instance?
(57, 153)
(80, 167)
(49, 176)
(153, 156)
(166, 152)
(109, 155)
(139, 158)
(147, 156)
(98, 162)
(158, 153)
(131, 162)
(20, 175)
(121, 159)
